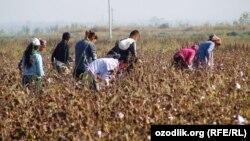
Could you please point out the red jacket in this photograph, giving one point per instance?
(187, 54)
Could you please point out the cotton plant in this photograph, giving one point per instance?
(238, 86)
(239, 120)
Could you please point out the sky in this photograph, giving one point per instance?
(124, 11)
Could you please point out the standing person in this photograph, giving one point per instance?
(32, 65)
(184, 57)
(43, 44)
(204, 55)
(60, 56)
(85, 53)
(125, 47)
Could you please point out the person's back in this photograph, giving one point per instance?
(103, 65)
(204, 55)
(61, 52)
(126, 46)
(32, 65)
(103, 70)
(186, 53)
(185, 56)
(204, 49)
(36, 69)
(84, 54)
(60, 56)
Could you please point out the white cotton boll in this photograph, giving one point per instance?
(158, 101)
(239, 120)
(213, 87)
(120, 115)
(171, 117)
(202, 97)
(49, 80)
(238, 86)
(67, 71)
(99, 133)
(241, 74)
(149, 138)
(214, 123)
(107, 81)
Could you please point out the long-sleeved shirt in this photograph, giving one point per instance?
(37, 66)
(85, 53)
(187, 55)
(124, 47)
(61, 52)
(102, 67)
(204, 55)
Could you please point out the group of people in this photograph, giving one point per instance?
(86, 60)
(197, 56)
(88, 64)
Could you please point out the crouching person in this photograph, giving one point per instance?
(103, 70)
(184, 57)
(32, 65)
(126, 47)
(204, 55)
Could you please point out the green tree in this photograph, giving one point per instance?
(244, 18)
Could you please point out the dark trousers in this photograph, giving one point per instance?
(27, 81)
(86, 77)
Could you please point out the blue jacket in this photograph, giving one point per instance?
(204, 54)
(85, 53)
(37, 67)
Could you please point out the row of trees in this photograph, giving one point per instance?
(161, 23)
(244, 20)
(51, 29)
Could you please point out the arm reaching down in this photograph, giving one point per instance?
(209, 54)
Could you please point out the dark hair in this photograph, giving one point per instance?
(66, 36)
(134, 33)
(28, 60)
(90, 35)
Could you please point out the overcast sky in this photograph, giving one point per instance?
(125, 11)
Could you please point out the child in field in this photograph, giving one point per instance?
(32, 64)
(125, 47)
(85, 53)
(43, 44)
(60, 57)
(184, 57)
(204, 55)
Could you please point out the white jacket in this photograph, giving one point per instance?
(102, 67)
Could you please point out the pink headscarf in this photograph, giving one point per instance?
(195, 47)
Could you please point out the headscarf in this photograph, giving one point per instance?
(215, 39)
(43, 44)
(195, 47)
